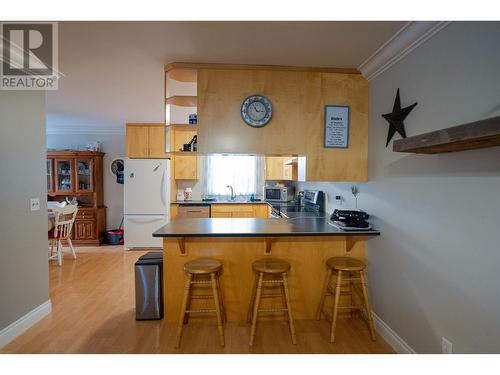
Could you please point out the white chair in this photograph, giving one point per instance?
(64, 217)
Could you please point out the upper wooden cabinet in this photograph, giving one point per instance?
(146, 141)
(281, 168)
(185, 167)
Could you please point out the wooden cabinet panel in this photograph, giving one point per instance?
(84, 230)
(298, 120)
(185, 167)
(157, 142)
(221, 214)
(262, 210)
(276, 169)
(50, 175)
(137, 139)
(235, 210)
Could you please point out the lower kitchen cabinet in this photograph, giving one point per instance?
(234, 210)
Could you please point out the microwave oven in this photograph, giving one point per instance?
(278, 194)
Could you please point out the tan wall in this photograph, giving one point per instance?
(297, 125)
(23, 234)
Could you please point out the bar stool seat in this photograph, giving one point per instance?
(345, 264)
(271, 266)
(350, 272)
(203, 266)
(202, 273)
(270, 273)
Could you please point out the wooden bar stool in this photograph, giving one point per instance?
(202, 272)
(270, 273)
(349, 267)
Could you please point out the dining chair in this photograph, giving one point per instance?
(64, 217)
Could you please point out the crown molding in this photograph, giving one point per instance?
(83, 130)
(409, 37)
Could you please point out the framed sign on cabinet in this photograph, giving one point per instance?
(336, 126)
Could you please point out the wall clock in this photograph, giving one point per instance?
(256, 110)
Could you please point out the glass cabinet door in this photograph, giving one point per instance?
(50, 177)
(64, 175)
(84, 173)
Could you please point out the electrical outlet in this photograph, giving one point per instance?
(35, 204)
(338, 199)
(446, 346)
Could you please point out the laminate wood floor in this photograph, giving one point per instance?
(93, 312)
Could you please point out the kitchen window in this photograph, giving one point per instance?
(244, 173)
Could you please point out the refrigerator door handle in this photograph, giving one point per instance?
(163, 188)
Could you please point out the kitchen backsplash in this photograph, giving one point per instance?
(333, 189)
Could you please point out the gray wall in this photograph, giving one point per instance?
(434, 270)
(24, 281)
(114, 146)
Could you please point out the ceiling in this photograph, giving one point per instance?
(113, 71)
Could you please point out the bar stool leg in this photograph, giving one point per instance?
(289, 309)
(351, 297)
(324, 293)
(221, 300)
(336, 306)
(252, 299)
(187, 288)
(367, 305)
(217, 308)
(256, 306)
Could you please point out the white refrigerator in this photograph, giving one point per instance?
(146, 201)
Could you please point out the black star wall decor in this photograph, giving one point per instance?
(396, 119)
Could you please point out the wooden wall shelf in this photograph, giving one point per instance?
(183, 126)
(183, 101)
(474, 135)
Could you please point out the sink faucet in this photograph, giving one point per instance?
(233, 197)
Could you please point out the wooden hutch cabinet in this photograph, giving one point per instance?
(78, 174)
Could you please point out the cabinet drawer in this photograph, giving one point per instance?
(86, 215)
(193, 211)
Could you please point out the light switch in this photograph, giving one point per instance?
(35, 204)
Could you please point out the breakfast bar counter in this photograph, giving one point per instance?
(305, 242)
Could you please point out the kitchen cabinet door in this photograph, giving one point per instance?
(185, 167)
(84, 175)
(64, 178)
(221, 214)
(157, 142)
(84, 230)
(137, 141)
(50, 175)
(261, 210)
(276, 169)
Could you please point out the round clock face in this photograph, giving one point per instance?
(256, 110)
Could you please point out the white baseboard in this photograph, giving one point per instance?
(14, 329)
(391, 337)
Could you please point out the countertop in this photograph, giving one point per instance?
(197, 202)
(252, 227)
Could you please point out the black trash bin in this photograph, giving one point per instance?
(149, 286)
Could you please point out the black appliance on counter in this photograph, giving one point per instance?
(350, 219)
